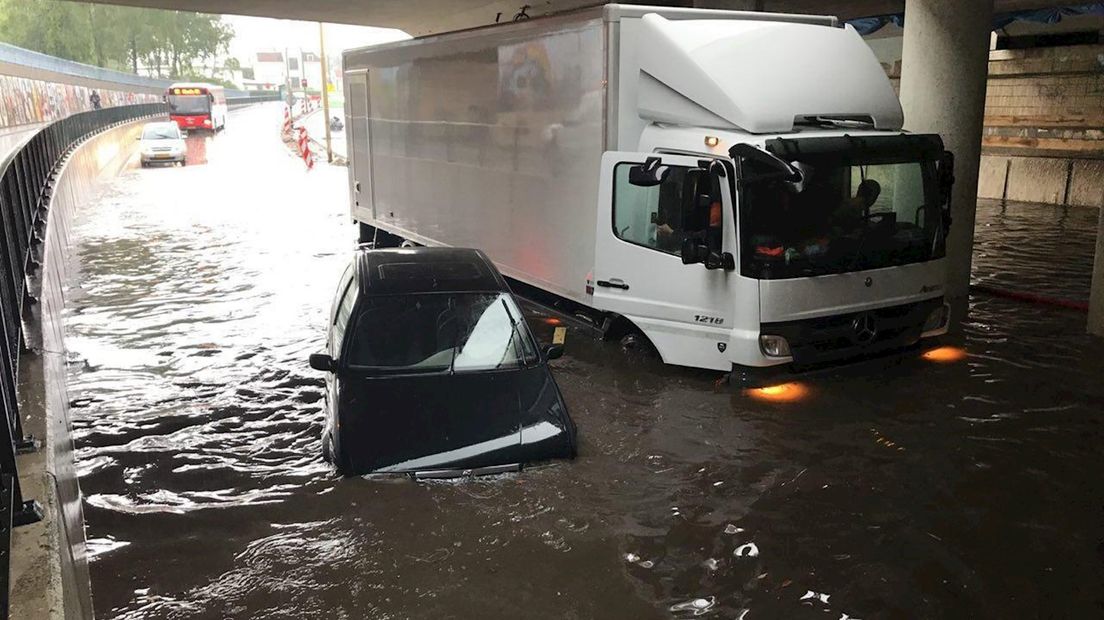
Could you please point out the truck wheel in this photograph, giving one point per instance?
(637, 344)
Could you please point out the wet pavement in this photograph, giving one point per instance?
(936, 487)
(316, 129)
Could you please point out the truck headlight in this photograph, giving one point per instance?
(774, 346)
(937, 319)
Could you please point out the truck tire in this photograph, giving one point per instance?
(636, 343)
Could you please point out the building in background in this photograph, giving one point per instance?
(269, 71)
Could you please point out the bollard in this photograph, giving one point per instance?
(304, 148)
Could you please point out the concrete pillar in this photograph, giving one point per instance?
(944, 65)
(1096, 297)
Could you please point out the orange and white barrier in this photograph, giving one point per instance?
(287, 121)
(304, 148)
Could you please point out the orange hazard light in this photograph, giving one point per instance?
(781, 393)
(944, 355)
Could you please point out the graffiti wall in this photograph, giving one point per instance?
(24, 100)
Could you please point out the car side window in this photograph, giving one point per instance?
(341, 321)
(343, 309)
(342, 285)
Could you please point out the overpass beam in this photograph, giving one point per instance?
(1096, 296)
(944, 66)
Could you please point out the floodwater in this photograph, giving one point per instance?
(915, 489)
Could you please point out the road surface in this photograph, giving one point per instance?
(926, 487)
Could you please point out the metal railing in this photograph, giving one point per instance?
(258, 98)
(27, 178)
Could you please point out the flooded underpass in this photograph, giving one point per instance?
(945, 485)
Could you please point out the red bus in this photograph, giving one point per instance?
(197, 106)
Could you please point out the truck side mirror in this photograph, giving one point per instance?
(696, 251)
(648, 174)
(693, 252)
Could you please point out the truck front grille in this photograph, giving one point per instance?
(842, 336)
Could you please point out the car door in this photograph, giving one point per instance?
(684, 309)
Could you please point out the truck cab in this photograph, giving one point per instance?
(765, 251)
(774, 213)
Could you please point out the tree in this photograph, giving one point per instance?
(54, 28)
(168, 43)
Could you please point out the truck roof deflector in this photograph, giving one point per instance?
(759, 76)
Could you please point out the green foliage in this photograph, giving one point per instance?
(116, 37)
(197, 77)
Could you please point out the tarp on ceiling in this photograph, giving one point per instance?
(1053, 15)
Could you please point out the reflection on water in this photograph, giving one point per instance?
(907, 488)
(1042, 249)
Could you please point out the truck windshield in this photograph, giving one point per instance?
(440, 332)
(189, 104)
(843, 216)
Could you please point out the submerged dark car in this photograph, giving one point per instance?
(432, 370)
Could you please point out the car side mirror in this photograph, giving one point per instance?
(648, 174)
(552, 352)
(323, 362)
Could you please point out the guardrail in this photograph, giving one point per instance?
(262, 98)
(27, 180)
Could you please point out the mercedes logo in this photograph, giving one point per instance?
(864, 328)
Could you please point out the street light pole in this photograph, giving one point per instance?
(325, 92)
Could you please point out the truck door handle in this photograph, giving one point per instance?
(613, 283)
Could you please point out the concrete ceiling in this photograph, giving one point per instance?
(419, 17)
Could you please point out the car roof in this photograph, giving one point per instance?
(398, 271)
(160, 124)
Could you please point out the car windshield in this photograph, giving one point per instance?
(440, 332)
(160, 132)
(842, 216)
(189, 104)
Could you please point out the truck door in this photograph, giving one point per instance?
(656, 213)
(356, 144)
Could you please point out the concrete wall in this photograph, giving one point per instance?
(49, 577)
(1049, 180)
(1046, 101)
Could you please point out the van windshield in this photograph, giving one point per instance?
(440, 332)
(844, 215)
(161, 132)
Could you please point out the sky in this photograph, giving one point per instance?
(252, 34)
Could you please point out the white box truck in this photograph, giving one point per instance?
(735, 187)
